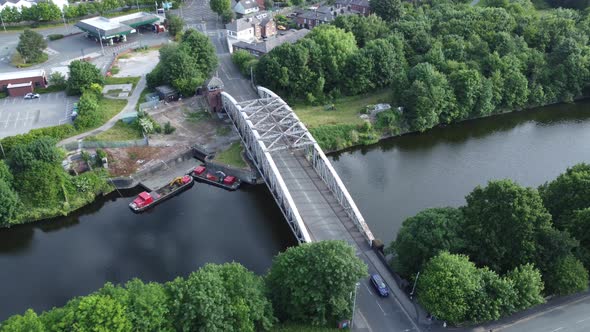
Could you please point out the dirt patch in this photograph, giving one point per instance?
(126, 161)
(137, 63)
(194, 125)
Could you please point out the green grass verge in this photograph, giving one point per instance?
(196, 116)
(121, 131)
(232, 156)
(18, 61)
(50, 89)
(34, 26)
(109, 108)
(121, 80)
(346, 110)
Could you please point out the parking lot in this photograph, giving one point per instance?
(19, 115)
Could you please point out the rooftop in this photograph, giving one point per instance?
(107, 27)
(266, 46)
(22, 74)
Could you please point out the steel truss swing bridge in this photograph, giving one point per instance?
(305, 186)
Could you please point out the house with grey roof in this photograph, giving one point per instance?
(250, 29)
(245, 7)
(263, 47)
(356, 6)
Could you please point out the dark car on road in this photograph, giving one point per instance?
(379, 285)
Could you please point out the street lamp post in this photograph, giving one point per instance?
(414, 287)
(2, 148)
(100, 38)
(63, 16)
(2, 19)
(353, 304)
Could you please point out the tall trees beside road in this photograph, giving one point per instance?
(30, 46)
(185, 65)
(314, 282)
(309, 284)
(389, 10)
(220, 6)
(508, 237)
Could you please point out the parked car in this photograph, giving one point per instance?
(379, 285)
(31, 95)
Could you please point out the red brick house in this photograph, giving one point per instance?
(356, 6)
(19, 83)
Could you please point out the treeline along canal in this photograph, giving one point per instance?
(45, 264)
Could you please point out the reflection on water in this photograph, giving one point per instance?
(396, 178)
(45, 264)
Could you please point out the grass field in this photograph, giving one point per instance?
(121, 80)
(231, 156)
(119, 132)
(346, 110)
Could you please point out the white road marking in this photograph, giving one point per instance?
(582, 320)
(557, 329)
(385, 314)
(7, 120)
(368, 289)
(17, 117)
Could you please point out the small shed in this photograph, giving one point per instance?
(167, 93)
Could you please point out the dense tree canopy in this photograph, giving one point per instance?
(569, 192)
(318, 290)
(175, 24)
(220, 6)
(31, 45)
(185, 65)
(82, 75)
(423, 236)
(502, 221)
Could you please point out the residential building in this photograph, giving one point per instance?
(19, 83)
(18, 4)
(245, 7)
(250, 29)
(310, 18)
(263, 47)
(355, 6)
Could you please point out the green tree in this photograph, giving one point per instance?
(46, 190)
(5, 174)
(202, 49)
(220, 6)
(11, 15)
(389, 10)
(42, 149)
(569, 192)
(364, 28)
(528, 286)
(46, 11)
(175, 24)
(88, 111)
(502, 222)
(227, 16)
(28, 322)
(447, 286)
(82, 75)
(31, 46)
(242, 58)
(220, 298)
(579, 226)
(100, 313)
(57, 78)
(568, 276)
(337, 46)
(494, 298)
(9, 204)
(467, 86)
(312, 282)
(423, 236)
(428, 96)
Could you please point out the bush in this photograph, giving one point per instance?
(55, 36)
(168, 128)
(568, 276)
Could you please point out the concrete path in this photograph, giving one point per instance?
(130, 107)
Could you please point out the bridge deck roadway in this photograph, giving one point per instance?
(325, 219)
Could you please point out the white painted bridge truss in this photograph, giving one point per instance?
(268, 125)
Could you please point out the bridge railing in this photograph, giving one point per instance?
(265, 164)
(328, 174)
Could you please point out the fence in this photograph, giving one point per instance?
(105, 144)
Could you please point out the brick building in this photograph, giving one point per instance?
(356, 6)
(19, 83)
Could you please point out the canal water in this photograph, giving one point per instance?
(45, 264)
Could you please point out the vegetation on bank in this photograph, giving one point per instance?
(224, 297)
(502, 252)
(231, 156)
(33, 184)
(443, 62)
